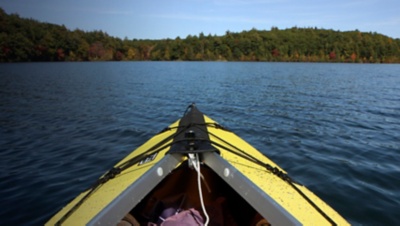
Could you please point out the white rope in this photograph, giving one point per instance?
(196, 164)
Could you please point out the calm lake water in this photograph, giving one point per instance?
(333, 127)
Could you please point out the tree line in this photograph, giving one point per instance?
(27, 40)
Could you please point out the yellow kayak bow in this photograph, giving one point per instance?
(195, 163)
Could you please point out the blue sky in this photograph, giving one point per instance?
(158, 19)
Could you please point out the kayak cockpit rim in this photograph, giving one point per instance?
(258, 199)
(129, 198)
(255, 197)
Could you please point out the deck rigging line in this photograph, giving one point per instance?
(274, 170)
(113, 172)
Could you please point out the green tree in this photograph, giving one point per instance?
(29, 40)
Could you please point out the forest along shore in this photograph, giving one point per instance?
(27, 40)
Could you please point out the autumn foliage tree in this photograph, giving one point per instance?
(29, 40)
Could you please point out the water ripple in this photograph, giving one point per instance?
(333, 127)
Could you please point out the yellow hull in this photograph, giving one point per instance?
(263, 185)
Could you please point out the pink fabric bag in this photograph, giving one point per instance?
(188, 217)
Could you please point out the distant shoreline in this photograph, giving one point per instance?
(27, 40)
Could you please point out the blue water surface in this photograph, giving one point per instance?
(333, 127)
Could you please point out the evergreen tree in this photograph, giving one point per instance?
(29, 40)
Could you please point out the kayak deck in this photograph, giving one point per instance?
(239, 184)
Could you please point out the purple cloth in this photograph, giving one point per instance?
(188, 217)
